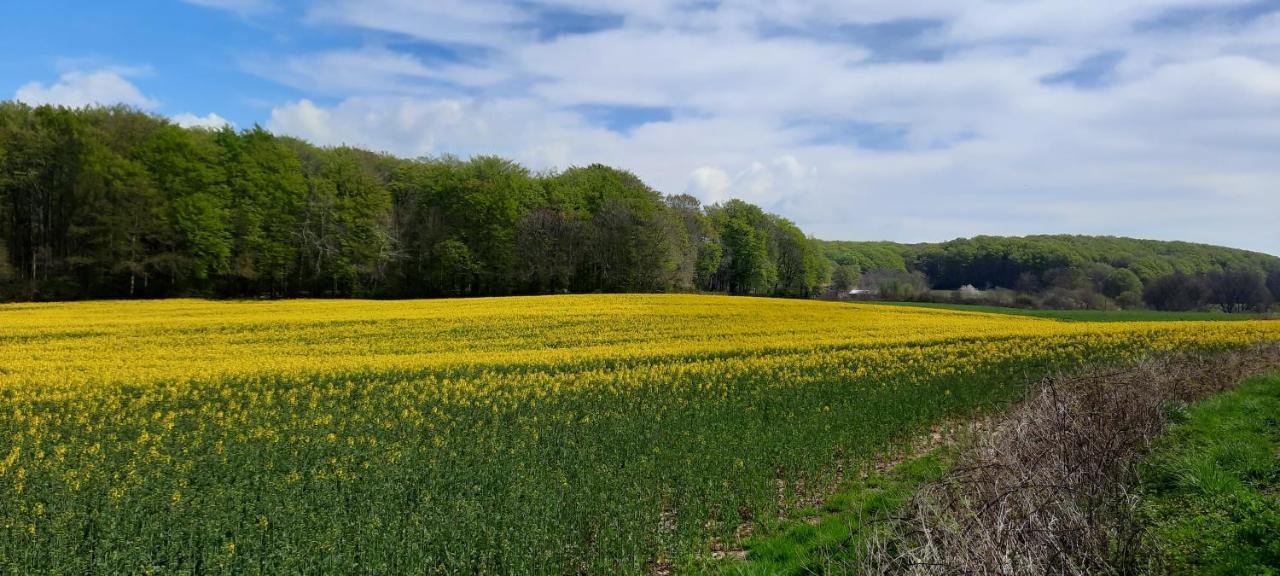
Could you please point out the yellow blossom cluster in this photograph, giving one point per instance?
(513, 435)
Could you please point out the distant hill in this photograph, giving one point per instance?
(994, 261)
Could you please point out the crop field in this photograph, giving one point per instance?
(532, 435)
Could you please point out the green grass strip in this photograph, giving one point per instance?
(1211, 487)
(827, 539)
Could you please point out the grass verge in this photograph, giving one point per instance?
(1050, 490)
(1211, 487)
(827, 538)
(1048, 487)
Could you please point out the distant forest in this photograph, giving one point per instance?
(1065, 271)
(111, 202)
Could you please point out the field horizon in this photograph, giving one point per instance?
(520, 435)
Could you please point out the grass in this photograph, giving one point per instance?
(1093, 315)
(827, 538)
(1212, 485)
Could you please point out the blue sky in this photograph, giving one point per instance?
(858, 119)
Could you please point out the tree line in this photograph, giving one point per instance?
(111, 202)
(107, 202)
(1064, 271)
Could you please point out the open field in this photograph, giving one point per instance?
(497, 436)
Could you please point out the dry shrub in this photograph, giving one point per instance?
(1045, 489)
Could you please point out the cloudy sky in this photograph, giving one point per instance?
(858, 119)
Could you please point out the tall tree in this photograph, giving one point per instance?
(348, 209)
(632, 242)
(485, 208)
(41, 163)
(549, 245)
(746, 267)
(183, 165)
(1176, 292)
(693, 237)
(1239, 290)
(267, 189)
(123, 226)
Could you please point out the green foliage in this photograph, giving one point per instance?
(1129, 300)
(112, 202)
(202, 220)
(484, 208)
(182, 167)
(710, 255)
(799, 267)
(827, 539)
(868, 255)
(267, 187)
(6, 270)
(1176, 292)
(39, 171)
(763, 254)
(845, 277)
(456, 266)
(744, 269)
(898, 286)
(549, 246)
(1212, 485)
(1121, 281)
(635, 243)
(1239, 290)
(987, 261)
(695, 243)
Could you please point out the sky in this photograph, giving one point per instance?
(857, 119)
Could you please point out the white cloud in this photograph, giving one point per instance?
(775, 104)
(710, 184)
(211, 121)
(347, 71)
(482, 22)
(306, 120)
(770, 183)
(409, 126)
(717, 72)
(76, 89)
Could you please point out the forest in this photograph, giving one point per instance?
(1066, 271)
(111, 202)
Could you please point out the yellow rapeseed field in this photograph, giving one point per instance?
(594, 433)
